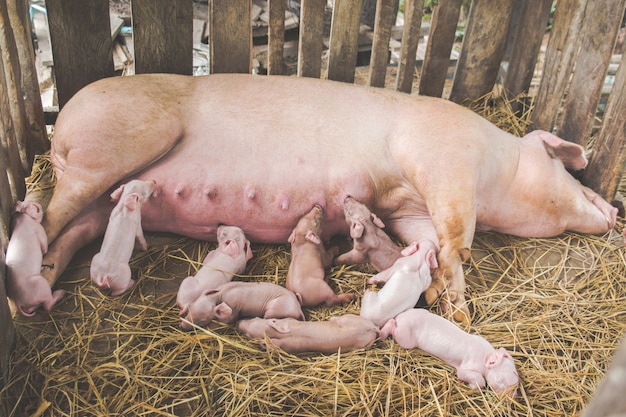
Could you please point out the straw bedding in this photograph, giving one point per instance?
(556, 304)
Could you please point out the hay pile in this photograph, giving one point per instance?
(557, 305)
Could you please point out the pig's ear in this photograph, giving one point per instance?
(131, 202)
(222, 311)
(115, 195)
(376, 220)
(312, 237)
(356, 230)
(410, 250)
(280, 326)
(184, 311)
(494, 358)
(292, 237)
(209, 292)
(571, 154)
(248, 250)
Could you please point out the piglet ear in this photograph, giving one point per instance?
(376, 220)
(356, 230)
(115, 195)
(410, 250)
(571, 154)
(292, 237)
(131, 202)
(222, 311)
(312, 237)
(248, 250)
(281, 326)
(494, 358)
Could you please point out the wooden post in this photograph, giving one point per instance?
(80, 34)
(483, 48)
(608, 160)
(558, 62)
(600, 29)
(163, 36)
(344, 39)
(385, 14)
(276, 37)
(230, 39)
(7, 338)
(310, 42)
(437, 59)
(413, 11)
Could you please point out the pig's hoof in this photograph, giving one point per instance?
(432, 295)
(454, 304)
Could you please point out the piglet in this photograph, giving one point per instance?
(109, 267)
(405, 281)
(233, 300)
(219, 266)
(370, 243)
(475, 360)
(25, 285)
(309, 260)
(347, 332)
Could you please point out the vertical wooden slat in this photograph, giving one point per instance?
(600, 29)
(80, 34)
(385, 14)
(608, 160)
(413, 11)
(230, 36)
(440, 41)
(531, 27)
(35, 140)
(310, 42)
(276, 37)
(344, 39)
(558, 62)
(163, 36)
(483, 48)
(7, 330)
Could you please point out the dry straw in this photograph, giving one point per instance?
(556, 304)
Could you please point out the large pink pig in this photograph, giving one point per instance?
(25, 285)
(235, 300)
(431, 169)
(309, 261)
(371, 243)
(218, 267)
(109, 267)
(475, 360)
(405, 281)
(347, 332)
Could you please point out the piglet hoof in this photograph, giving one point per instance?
(454, 304)
(433, 292)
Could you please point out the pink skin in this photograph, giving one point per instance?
(431, 169)
(371, 243)
(309, 261)
(25, 285)
(475, 360)
(233, 300)
(109, 267)
(346, 333)
(219, 266)
(404, 282)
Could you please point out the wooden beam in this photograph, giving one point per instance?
(230, 39)
(311, 33)
(384, 20)
(163, 36)
(483, 48)
(276, 37)
(413, 11)
(80, 34)
(596, 47)
(437, 59)
(344, 39)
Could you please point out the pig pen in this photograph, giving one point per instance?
(557, 305)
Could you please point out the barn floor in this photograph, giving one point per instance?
(556, 304)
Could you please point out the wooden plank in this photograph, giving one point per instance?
(483, 48)
(276, 37)
(608, 160)
(440, 41)
(558, 62)
(230, 38)
(311, 33)
(7, 341)
(598, 38)
(163, 36)
(344, 37)
(530, 29)
(81, 44)
(384, 20)
(413, 11)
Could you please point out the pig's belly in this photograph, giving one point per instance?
(264, 192)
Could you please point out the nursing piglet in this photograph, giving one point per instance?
(25, 285)
(347, 332)
(475, 360)
(233, 300)
(219, 265)
(370, 243)
(109, 267)
(405, 281)
(309, 260)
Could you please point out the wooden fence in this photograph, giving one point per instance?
(580, 46)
